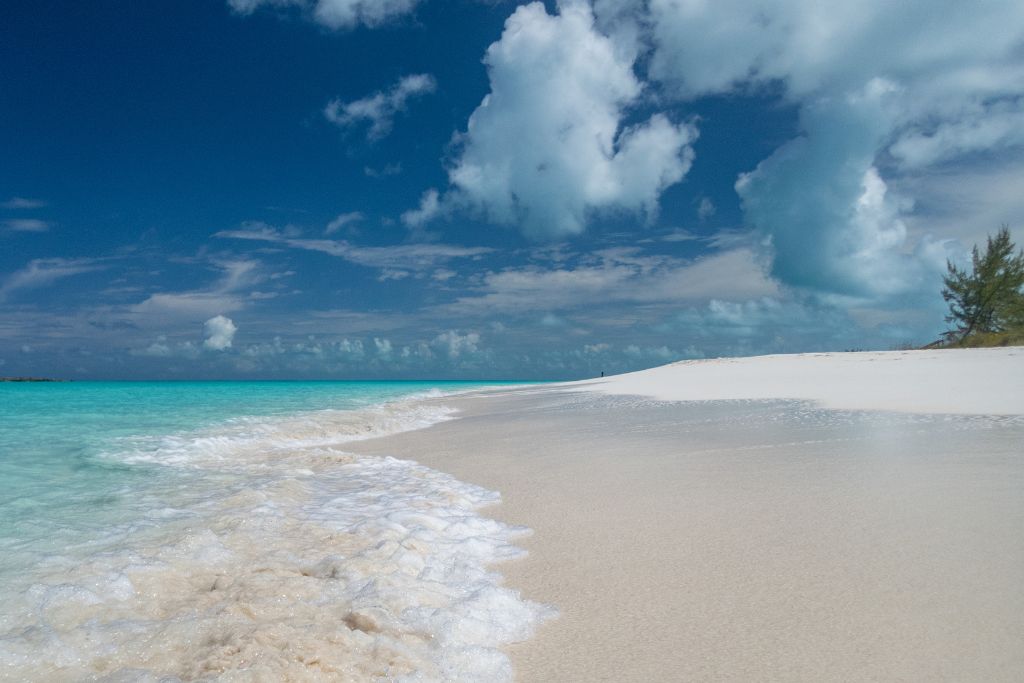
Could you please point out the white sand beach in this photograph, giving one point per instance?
(956, 381)
(841, 516)
(328, 334)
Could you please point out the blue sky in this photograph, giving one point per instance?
(418, 188)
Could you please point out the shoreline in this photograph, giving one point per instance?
(749, 538)
(254, 546)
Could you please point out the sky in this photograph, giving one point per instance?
(480, 189)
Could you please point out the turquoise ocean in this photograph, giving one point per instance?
(200, 530)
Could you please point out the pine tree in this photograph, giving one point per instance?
(989, 298)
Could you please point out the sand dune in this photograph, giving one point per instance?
(961, 381)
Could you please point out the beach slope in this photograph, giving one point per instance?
(809, 517)
(957, 381)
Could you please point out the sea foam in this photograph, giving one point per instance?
(284, 558)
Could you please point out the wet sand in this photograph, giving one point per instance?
(749, 540)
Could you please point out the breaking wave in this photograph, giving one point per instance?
(261, 551)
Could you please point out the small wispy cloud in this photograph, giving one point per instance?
(384, 171)
(342, 221)
(23, 203)
(162, 348)
(417, 257)
(25, 225)
(380, 109)
(42, 272)
(228, 293)
(430, 207)
(706, 209)
(617, 276)
(680, 235)
(336, 14)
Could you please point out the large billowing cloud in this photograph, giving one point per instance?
(883, 88)
(833, 223)
(337, 14)
(548, 146)
(941, 49)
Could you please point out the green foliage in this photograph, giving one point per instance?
(1013, 337)
(988, 300)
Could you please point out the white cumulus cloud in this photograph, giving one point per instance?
(548, 146)
(935, 46)
(833, 224)
(917, 83)
(220, 331)
(383, 346)
(456, 345)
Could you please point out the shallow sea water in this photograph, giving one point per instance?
(220, 531)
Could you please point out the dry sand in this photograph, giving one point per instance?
(758, 540)
(962, 381)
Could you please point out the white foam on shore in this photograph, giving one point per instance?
(255, 443)
(289, 559)
(946, 381)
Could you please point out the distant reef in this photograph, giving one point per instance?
(31, 379)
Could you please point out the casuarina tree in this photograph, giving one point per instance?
(988, 299)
